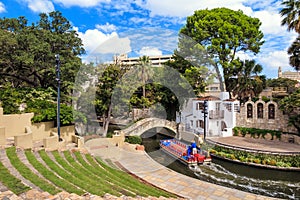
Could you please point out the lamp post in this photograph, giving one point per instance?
(205, 112)
(178, 121)
(58, 94)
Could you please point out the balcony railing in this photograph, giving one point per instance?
(216, 114)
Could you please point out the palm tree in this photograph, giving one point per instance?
(294, 52)
(291, 14)
(146, 72)
(248, 82)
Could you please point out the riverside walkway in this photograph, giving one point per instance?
(143, 166)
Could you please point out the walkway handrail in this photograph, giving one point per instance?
(145, 124)
(249, 149)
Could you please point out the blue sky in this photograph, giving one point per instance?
(150, 27)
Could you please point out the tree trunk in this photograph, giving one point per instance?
(144, 88)
(106, 121)
(219, 77)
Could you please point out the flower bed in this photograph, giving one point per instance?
(281, 161)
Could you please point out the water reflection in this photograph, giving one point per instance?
(273, 183)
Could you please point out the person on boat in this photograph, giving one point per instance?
(194, 147)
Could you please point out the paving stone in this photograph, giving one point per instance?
(147, 169)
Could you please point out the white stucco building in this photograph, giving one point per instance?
(220, 120)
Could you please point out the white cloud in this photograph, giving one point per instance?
(182, 8)
(2, 7)
(80, 3)
(243, 56)
(39, 6)
(272, 60)
(106, 27)
(96, 42)
(271, 22)
(150, 51)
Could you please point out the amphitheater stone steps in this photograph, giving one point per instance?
(37, 194)
(6, 162)
(23, 158)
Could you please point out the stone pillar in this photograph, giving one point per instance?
(2, 136)
(1, 116)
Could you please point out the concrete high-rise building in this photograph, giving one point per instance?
(289, 75)
(155, 60)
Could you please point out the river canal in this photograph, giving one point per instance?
(273, 183)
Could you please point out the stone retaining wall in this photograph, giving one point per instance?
(279, 123)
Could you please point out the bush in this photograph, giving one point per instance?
(258, 158)
(256, 133)
(133, 139)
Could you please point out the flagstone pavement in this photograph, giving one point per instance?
(143, 166)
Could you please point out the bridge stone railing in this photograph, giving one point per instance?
(143, 125)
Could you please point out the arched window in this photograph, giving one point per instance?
(201, 123)
(249, 110)
(260, 110)
(271, 109)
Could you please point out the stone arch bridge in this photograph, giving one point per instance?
(146, 124)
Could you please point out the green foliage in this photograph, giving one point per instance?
(40, 102)
(28, 51)
(256, 133)
(246, 81)
(219, 34)
(265, 99)
(257, 158)
(291, 106)
(133, 139)
(290, 14)
(287, 83)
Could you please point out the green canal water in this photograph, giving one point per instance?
(273, 183)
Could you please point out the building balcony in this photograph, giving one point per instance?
(216, 114)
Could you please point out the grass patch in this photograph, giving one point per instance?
(11, 182)
(96, 184)
(76, 178)
(28, 174)
(121, 177)
(101, 174)
(65, 185)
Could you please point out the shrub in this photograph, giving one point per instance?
(272, 162)
(258, 158)
(133, 139)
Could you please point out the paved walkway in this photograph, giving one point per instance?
(140, 164)
(258, 144)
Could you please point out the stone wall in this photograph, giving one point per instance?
(279, 123)
(41, 130)
(15, 123)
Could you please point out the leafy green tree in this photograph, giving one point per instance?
(28, 52)
(291, 15)
(195, 76)
(291, 106)
(291, 18)
(294, 52)
(222, 33)
(246, 81)
(289, 84)
(104, 90)
(145, 72)
(191, 59)
(39, 101)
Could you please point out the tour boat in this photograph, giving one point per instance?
(187, 154)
